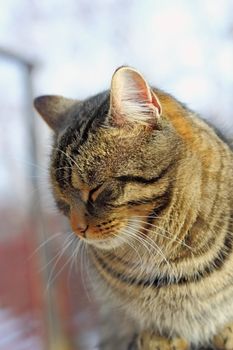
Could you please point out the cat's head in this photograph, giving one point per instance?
(113, 158)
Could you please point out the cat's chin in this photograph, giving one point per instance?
(106, 244)
(120, 239)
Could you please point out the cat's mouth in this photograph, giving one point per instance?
(115, 238)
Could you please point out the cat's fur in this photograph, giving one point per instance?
(149, 185)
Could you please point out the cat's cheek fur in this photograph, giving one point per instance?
(120, 238)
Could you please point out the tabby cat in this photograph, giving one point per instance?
(148, 186)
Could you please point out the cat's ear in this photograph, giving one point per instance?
(53, 110)
(132, 100)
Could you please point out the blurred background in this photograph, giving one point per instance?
(72, 47)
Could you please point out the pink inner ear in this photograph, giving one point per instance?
(143, 92)
(147, 95)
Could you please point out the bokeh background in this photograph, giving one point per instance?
(72, 47)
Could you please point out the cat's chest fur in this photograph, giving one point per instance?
(172, 310)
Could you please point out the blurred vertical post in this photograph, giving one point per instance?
(55, 337)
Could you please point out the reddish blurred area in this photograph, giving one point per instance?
(21, 301)
(33, 316)
(43, 303)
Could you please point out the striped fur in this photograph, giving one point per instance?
(158, 206)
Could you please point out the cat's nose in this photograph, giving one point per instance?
(82, 228)
(79, 222)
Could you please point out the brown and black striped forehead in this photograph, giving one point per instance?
(97, 153)
(84, 115)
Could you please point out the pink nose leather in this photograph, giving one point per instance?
(78, 222)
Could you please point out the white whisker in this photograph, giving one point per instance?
(169, 236)
(65, 247)
(125, 240)
(49, 239)
(138, 235)
(50, 282)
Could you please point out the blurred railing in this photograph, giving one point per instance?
(22, 287)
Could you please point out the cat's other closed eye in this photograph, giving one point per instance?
(63, 206)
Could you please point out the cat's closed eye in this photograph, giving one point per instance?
(64, 207)
(94, 193)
